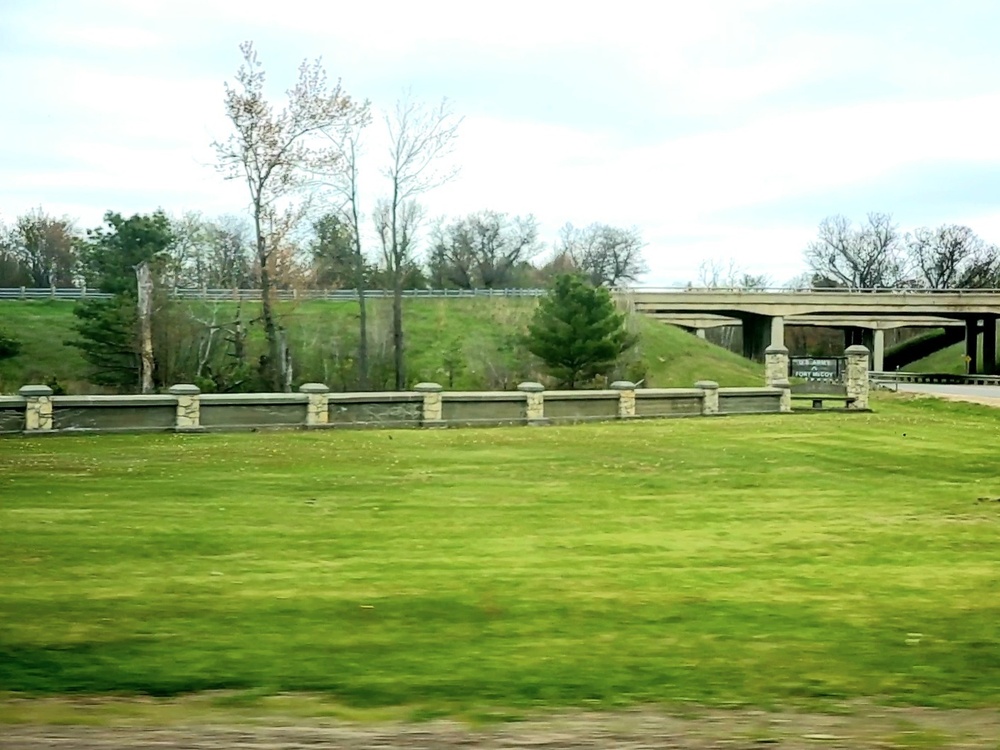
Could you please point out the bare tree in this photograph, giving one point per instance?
(420, 137)
(277, 153)
(345, 184)
(867, 257)
(45, 248)
(209, 253)
(953, 256)
(728, 274)
(483, 249)
(605, 254)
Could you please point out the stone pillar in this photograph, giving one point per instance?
(775, 364)
(878, 351)
(534, 409)
(857, 376)
(710, 396)
(786, 395)
(990, 346)
(700, 333)
(38, 412)
(777, 331)
(431, 415)
(318, 405)
(188, 418)
(626, 398)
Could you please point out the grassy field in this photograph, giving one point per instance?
(951, 359)
(767, 561)
(475, 333)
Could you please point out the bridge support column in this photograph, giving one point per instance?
(699, 332)
(757, 331)
(971, 346)
(854, 336)
(990, 346)
(777, 331)
(878, 350)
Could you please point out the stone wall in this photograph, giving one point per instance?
(184, 409)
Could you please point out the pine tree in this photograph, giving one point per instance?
(109, 329)
(577, 332)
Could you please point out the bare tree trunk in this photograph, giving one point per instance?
(397, 332)
(362, 339)
(359, 286)
(397, 293)
(286, 362)
(144, 281)
(273, 372)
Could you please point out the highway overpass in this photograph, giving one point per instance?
(764, 314)
(869, 331)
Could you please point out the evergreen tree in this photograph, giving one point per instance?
(10, 347)
(108, 329)
(577, 332)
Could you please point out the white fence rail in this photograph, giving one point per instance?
(77, 293)
(220, 295)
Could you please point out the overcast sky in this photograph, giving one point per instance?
(720, 128)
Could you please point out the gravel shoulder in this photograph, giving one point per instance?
(862, 727)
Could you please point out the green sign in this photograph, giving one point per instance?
(817, 368)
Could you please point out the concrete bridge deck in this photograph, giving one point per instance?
(958, 304)
(764, 314)
(696, 321)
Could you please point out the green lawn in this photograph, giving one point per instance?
(458, 340)
(770, 560)
(43, 328)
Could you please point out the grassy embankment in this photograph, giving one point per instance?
(767, 561)
(950, 359)
(477, 331)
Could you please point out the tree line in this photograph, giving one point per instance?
(307, 226)
(876, 254)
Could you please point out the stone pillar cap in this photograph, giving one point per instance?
(776, 349)
(184, 389)
(428, 388)
(857, 349)
(33, 391)
(531, 387)
(707, 385)
(623, 385)
(314, 388)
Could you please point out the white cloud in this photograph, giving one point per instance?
(132, 127)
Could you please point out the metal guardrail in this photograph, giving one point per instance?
(350, 294)
(933, 378)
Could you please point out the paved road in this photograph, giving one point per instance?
(981, 394)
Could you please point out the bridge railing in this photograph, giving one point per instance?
(805, 290)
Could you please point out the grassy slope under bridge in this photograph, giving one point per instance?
(435, 330)
(765, 560)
